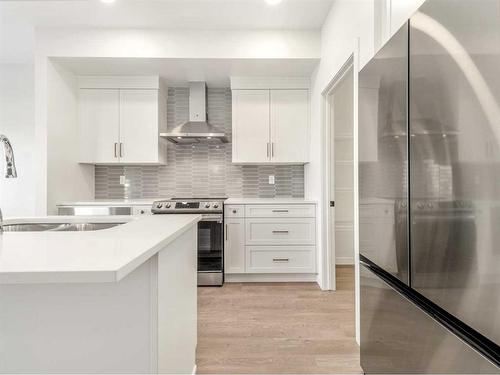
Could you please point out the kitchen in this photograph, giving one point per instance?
(173, 157)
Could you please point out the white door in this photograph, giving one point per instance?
(289, 126)
(234, 246)
(251, 126)
(341, 175)
(343, 167)
(99, 125)
(138, 126)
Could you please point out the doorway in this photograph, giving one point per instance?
(339, 99)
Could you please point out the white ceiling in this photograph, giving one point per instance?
(18, 18)
(178, 72)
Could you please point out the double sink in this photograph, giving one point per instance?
(57, 227)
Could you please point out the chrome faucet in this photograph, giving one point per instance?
(10, 165)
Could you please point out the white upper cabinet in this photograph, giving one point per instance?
(138, 126)
(251, 126)
(270, 121)
(289, 126)
(99, 130)
(121, 125)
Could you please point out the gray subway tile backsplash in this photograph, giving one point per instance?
(202, 170)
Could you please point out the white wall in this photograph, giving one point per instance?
(17, 196)
(350, 23)
(178, 43)
(400, 11)
(66, 179)
(54, 131)
(347, 21)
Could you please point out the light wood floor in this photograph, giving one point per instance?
(278, 328)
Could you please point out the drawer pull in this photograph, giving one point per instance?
(280, 211)
(281, 231)
(281, 259)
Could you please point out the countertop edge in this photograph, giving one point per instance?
(93, 276)
(132, 265)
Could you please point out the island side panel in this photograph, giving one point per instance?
(177, 305)
(80, 328)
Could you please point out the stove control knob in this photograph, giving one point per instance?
(159, 205)
(168, 205)
(216, 205)
(207, 205)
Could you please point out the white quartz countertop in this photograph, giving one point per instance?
(105, 255)
(148, 202)
(269, 201)
(113, 202)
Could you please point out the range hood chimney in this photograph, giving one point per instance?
(197, 129)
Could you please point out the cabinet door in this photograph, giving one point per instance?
(251, 126)
(234, 246)
(139, 126)
(289, 126)
(99, 125)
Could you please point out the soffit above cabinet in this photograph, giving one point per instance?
(270, 83)
(119, 82)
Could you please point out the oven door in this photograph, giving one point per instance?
(210, 250)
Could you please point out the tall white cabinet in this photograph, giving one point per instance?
(121, 124)
(270, 121)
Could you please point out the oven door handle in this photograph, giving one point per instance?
(212, 219)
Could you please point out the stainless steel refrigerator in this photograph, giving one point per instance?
(429, 188)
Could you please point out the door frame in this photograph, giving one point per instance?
(329, 273)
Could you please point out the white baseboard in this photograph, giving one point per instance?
(344, 261)
(270, 278)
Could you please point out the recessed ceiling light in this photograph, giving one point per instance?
(107, 1)
(273, 2)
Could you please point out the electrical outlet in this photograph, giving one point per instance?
(271, 180)
(122, 180)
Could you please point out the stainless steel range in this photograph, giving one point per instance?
(210, 233)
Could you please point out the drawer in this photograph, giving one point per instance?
(287, 231)
(275, 259)
(234, 210)
(280, 210)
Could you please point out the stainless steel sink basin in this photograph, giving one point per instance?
(57, 227)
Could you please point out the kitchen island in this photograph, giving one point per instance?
(116, 300)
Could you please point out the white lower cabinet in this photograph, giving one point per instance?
(286, 259)
(279, 242)
(289, 231)
(234, 245)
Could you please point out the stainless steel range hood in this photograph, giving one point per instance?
(197, 129)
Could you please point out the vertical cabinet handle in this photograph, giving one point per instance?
(272, 149)
(121, 149)
(116, 144)
(267, 149)
(226, 232)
